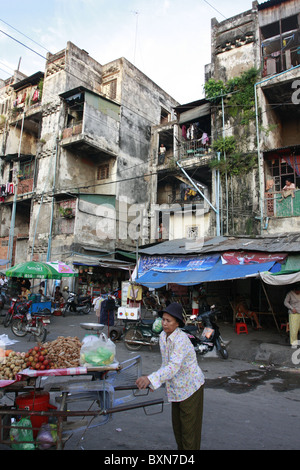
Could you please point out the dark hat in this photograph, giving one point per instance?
(175, 310)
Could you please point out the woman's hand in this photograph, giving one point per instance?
(142, 382)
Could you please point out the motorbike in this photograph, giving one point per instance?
(4, 301)
(24, 322)
(77, 304)
(146, 333)
(210, 337)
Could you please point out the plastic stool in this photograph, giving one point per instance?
(241, 328)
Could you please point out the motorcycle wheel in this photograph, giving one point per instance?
(65, 310)
(17, 328)
(133, 335)
(41, 333)
(221, 348)
(7, 319)
(86, 309)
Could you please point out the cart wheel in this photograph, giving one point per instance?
(114, 335)
(132, 335)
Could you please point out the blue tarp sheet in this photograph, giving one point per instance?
(220, 272)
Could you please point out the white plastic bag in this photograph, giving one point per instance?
(97, 351)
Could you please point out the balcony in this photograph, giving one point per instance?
(83, 143)
(196, 149)
(25, 186)
(92, 124)
(276, 207)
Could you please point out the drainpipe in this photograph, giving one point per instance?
(52, 205)
(14, 208)
(204, 197)
(259, 158)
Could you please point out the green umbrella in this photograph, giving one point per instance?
(33, 270)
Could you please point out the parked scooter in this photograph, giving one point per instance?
(5, 301)
(77, 304)
(146, 333)
(210, 338)
(13, 310)
(24, 322)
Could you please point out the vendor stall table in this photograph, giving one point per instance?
(93, 384)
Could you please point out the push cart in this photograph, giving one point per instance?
(82, 398)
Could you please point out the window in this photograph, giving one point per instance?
(280, 45)
(164, 116)
(103, 172)
(280, 169)
(27, 169)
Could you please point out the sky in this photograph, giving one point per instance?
(168, 40)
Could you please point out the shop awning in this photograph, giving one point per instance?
(288, 274)
(219, 272)
(83, 260)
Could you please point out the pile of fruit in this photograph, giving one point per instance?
(37, 358)
(61, 353)
(64, 352)
(11, 363)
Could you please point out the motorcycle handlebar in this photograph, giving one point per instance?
(208, 313)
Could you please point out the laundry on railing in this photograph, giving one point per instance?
(7, 189)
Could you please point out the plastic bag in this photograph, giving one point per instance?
(18, 435)
(47, 436)
(157, 325)
(97, 351)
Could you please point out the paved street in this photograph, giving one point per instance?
(247, 405)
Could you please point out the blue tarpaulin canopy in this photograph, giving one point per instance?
(156, 278)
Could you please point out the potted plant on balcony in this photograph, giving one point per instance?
(66, 212)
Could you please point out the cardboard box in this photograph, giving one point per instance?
(129, 313)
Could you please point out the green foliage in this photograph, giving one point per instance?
(238, 94)
(214, 90)
(234, 164)
(227, 145)
(239, 103)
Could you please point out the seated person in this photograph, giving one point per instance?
(24, 293)
(58, 297)
(242, 308)
(288, 190)
(43, 296)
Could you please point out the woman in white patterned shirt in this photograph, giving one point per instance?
(183, 378)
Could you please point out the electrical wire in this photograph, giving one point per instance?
(105, 123)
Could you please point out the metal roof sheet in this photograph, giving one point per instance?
(284, 243)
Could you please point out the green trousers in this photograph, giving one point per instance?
(187, 421)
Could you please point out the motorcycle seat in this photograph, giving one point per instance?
(146, 321)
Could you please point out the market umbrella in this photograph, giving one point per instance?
(33, 270)
(62, 268)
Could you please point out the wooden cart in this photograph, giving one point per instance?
(96, 386)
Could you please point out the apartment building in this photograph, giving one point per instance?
(255, 65)
(75, 153)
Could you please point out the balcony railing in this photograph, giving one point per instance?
(276, 206)
(25, 186)
(194, 148)
(76, 129)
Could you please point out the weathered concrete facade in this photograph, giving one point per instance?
(266, 38)
(81, 139)
(263, 124)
